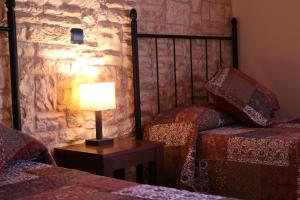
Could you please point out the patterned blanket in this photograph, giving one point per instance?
(47, 182)
(24, 177)
(27, 180)
(235, 161)
(251, 163)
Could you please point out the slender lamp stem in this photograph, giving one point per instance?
(98, 115)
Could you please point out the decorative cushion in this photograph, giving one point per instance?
(16, 145)
(178, 126)
(242, 96)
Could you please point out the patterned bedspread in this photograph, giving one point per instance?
(27, 180)
(235, 161)
(251, 163)
(26, 174)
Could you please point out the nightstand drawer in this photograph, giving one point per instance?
(74, 160)
(132, 159)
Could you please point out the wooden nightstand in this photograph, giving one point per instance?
(110, 160)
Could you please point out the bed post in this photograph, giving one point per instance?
(136, 79)
(13, 55)
(235, 57)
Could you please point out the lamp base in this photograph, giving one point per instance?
(99, 142)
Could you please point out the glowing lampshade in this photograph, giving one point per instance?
(97, 96)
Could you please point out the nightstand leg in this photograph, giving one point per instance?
(120, 174)
(155, 168)
(152, 173)
(108, 170)
(139, 173)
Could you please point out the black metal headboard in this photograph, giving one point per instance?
(135, 60)
(13, 56)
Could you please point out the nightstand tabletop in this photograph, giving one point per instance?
(120, 145)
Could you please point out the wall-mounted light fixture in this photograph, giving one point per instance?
(77, 35)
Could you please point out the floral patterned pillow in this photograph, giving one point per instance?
(242, 96)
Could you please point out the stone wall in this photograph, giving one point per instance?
(51, 68)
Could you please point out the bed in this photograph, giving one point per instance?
(28, 171)
(231, 144)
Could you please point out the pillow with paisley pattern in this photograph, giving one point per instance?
(187, 121)
(242, 96)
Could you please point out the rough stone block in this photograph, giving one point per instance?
(4, 76)
(196, 21)
(152, 12)
(26, 50)
(196, 6)
(217, 13)
(49, 138)
(46, 94)
(205, 10)
(74, 119)
(50, 121)
(5, 101)
(178, 13)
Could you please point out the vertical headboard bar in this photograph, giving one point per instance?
(175, 71)
(157, 77)
(13, 55)
(235, 57)
(206, 66)
(136, 78)
(192, 75)
(220, 55)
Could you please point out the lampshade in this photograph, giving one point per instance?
(97, 96)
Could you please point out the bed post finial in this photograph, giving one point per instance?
(133, 14)
(10, 4)
(235, 58)
(234, 21)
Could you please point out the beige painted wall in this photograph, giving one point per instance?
(269, 42)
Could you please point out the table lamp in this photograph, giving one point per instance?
(98, 97)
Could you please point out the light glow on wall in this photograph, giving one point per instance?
(88, 67)
(63, 54)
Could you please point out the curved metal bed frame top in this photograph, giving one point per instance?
(135, 61)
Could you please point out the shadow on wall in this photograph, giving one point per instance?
(288, 73)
